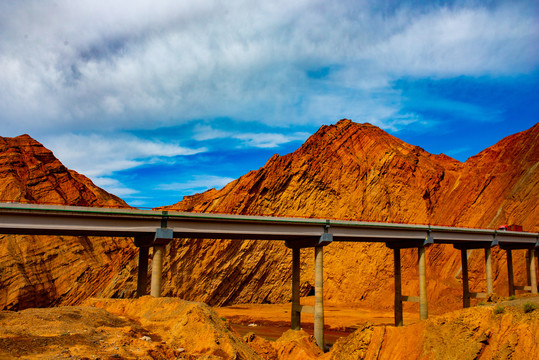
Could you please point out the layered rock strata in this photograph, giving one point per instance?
(344, 171)
(37, 271)
(359, 172)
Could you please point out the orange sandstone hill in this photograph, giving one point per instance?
(345, 171)
(358, 171)
(37, 271)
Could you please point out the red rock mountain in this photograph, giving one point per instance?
(38, 271)
(358, 171)
(345, 171)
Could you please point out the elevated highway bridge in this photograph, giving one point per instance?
(156, 229)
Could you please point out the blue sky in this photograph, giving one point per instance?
(154, 100)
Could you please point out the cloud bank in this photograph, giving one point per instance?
(94, 64)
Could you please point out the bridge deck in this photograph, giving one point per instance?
(17, 218)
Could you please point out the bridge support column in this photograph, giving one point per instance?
(398, 286)
(399, 298)
(488, 266)
(143, 243)
(531, 266)
(319, 296)
(528, 280)
(142, 270)
(162, 237)
(510, 275)
(157, 269)
(465, 283)
(296, 312)
(422, 265)
(318, 244)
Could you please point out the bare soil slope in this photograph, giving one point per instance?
(165, 328)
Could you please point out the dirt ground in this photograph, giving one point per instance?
(270, 321)
(166, 328)
(111, 332)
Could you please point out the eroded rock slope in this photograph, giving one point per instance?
(37, 271)
(358, 171)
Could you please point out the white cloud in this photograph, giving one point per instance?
(114, 186)
(249, 139)
(97, 155)
(198, 184)
(133, 65)
(269, 140)
(462, 41)
(206, 132)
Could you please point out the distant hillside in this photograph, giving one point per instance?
(358, 171)
(37, 271)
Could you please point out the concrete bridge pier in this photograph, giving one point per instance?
(157, 269)
(422, 266)
(466, 293)
(531, 276)
(422, 272)
(162, 237)
(398, 286)
(488, 271)
(143, 242)
(532, 272)
(142, 278)
(465, 282)
(319, 296)
(296, 308)
(510, 275)
(318, 309)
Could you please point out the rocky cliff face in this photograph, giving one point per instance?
(31, 173)
(357, 171)
(344, 171)
(38, 271)
(500, 185)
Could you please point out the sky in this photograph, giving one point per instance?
(155, 100)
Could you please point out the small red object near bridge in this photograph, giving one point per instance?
(511, 228)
